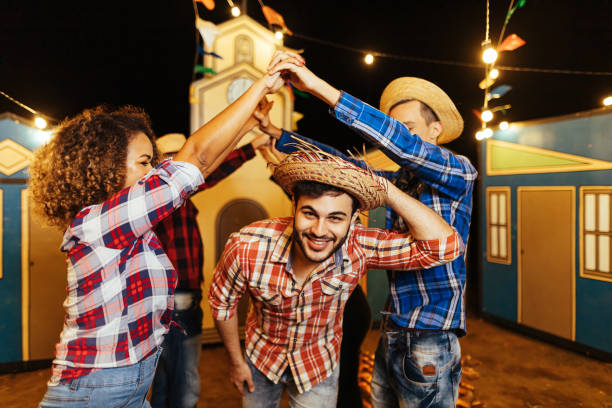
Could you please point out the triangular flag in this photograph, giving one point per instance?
(209, 4)
(199, 69)
(510, 43)
(213, 54)
(518, 5)
(476, 113)
(499, 91)
(208, 31)
(275, 18)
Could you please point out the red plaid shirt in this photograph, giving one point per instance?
(120, 282)
(302, 329)
(180, 234)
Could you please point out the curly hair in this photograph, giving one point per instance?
(84, 163)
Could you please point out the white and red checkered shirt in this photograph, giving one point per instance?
(302, 328)
(120, 282)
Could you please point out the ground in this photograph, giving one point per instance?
(512, 370)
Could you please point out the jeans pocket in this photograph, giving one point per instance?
(61, 396)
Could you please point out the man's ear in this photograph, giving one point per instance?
(355, 216)
(435, 128)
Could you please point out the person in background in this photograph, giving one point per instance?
(177, 378)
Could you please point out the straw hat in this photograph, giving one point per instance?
(310, 163)
(431, 95)
(170, 143)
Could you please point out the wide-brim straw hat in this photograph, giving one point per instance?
(310, 163)
(170, 143)
(430, 94)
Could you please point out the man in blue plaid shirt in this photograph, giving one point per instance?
(418, 360)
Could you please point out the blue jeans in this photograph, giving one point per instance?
(416, 369)
(268, 395)
(177, 379)
(106, 388)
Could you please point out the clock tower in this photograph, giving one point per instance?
(247, 195)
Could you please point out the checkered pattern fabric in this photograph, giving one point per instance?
(179, 233)
(120, 282)
(432, 298)
(302, 328)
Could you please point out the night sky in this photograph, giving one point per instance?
(60, 57)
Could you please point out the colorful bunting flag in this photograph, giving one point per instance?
(518, 5)
(274, 18)
(201, 51)
(209, 4)
(299, 93)
(199, 69)
(499, 91)
(476, 113)
(208, 31)
(511, 43)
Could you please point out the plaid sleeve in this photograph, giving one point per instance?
(228, 284)
(448, 173)
(394, 250)
(232, 162)
(131, 212)
(286, 145)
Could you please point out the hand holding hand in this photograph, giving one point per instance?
(262, 114)
(239, 374)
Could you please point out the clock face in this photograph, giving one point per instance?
(237, 87)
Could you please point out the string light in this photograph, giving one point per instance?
(494, 73)
(504, 125)
(607, 101)
(235, 11)
(489, 55)
(486, 115)
(369, 59)
(40, 122)
(278, 35)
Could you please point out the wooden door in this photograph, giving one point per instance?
(546, 259)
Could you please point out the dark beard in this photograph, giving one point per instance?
(296, 238)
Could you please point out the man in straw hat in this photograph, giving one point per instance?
(177, 380)
(299, 271)
(414, 119)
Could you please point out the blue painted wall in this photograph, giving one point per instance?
(10, 284)
(586, 136)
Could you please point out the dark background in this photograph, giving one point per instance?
(62, 56)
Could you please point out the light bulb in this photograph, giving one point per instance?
(235, 11)
(486, 116)
(479, 135)
(487, 133)
(369, 59)
(494, 73)
(40, 123)
(607, 101)
(278, 35)
(489, 55)
(504, 125)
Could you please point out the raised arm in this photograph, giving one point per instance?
(204, 147)
(448, 173)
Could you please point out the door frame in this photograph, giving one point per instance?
(572, 190)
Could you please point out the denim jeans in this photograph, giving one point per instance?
(106, 388)
(268, 395)
(177, 379)
(416, 369)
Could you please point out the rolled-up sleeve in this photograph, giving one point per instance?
(228, 283)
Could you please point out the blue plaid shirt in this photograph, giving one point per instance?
(431, 299)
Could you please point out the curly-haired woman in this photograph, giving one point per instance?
(96, 178)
